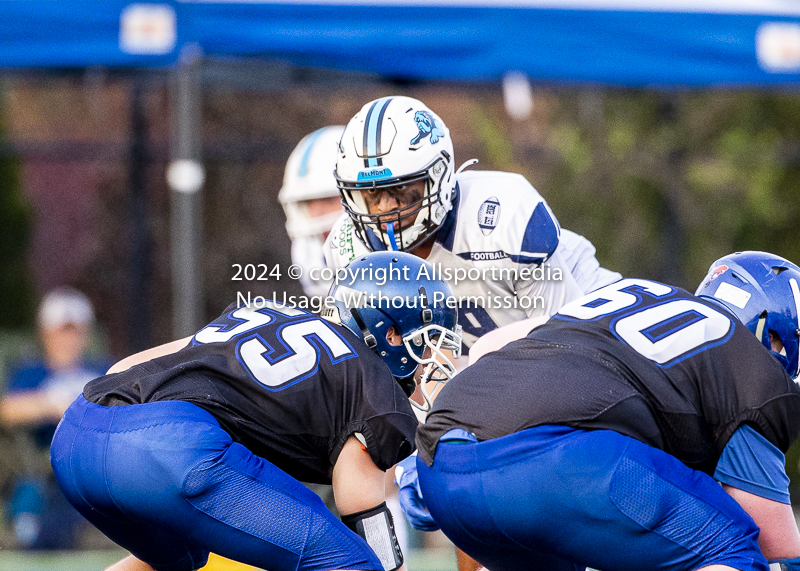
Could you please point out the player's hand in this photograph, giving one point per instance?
(410, 496)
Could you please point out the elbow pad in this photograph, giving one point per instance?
(376, 527)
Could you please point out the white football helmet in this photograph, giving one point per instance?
(308, 176)
(390, 142)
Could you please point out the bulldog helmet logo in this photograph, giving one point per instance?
(428, 126)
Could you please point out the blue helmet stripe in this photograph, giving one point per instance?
(312, 138)
(372, 132)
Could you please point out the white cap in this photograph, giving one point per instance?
(65, 305)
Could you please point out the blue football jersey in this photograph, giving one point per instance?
(287, 384)
(641, 358)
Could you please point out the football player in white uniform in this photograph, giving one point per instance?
(490, 234)
(311, 202)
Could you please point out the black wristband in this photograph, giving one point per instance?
(376, 527)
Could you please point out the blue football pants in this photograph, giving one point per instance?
(164, 481)
(552, 498)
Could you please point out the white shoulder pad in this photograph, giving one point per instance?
(342, 245)
(500, 215)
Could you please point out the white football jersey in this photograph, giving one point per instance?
(501, 250)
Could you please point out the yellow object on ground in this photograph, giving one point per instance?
(218, 563)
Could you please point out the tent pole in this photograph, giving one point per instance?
(185, 176)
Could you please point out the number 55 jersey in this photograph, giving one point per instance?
(286, 384)
(641, 358)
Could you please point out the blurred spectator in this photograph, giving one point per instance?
(39, 391)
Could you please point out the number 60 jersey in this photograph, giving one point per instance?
(641, 358)
(288, 385)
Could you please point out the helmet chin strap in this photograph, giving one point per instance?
(392, 239)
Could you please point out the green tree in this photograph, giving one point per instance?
(666, 183)
(17, 296)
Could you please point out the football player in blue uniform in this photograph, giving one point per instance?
(602, 437)
(200, 445)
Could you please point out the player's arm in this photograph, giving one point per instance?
(779, 537)
(753, 472)
(32, 407)
(359, 489)
(130, 563)
(548, 294)
(150, 354)
(357, 481)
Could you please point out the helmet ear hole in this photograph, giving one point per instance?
(777, 343)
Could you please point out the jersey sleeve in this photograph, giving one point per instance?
(752, 463)
(378, 413)
(767, 398)
(554, 289)
(579, 256)
(540, 237)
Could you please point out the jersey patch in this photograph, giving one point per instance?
(489, 215)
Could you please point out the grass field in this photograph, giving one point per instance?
(422, 560)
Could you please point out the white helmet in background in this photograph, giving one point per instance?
(309, 178)
(394, 141)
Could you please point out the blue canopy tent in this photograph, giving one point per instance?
(75, 34)
(615, 42)
(632, 43)
(622, 42)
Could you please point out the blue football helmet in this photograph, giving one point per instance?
(763, 291)
(396, 289)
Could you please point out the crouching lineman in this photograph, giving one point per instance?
(603, 434)
(200, 445)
